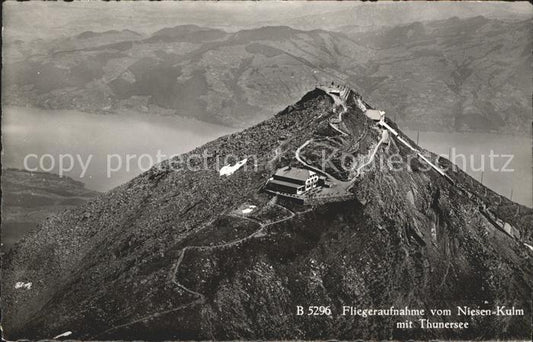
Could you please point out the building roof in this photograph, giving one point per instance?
(283, 183)
(374, 114)
(294, 173)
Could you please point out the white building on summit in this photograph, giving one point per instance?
(292, 180)
(374, 114)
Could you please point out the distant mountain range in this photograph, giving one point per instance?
(28, 198)
(455, 74)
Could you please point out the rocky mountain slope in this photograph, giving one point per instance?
(456, 74)
(172, 255)
(30, 197)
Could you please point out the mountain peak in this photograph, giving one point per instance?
(267, 33)
(326, 200)
(187, 33)
(92, 34)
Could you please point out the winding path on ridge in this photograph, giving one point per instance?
(175, 268)
(338, 102)
(335, 124)
(384, 136)
(309, 166)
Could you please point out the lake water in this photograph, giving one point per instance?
(133, 138)
(472, 152)
(40, 132)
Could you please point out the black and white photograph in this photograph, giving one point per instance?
(266, 171)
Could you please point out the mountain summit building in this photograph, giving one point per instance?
(292, 180)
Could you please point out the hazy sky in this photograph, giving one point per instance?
(29, 20)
